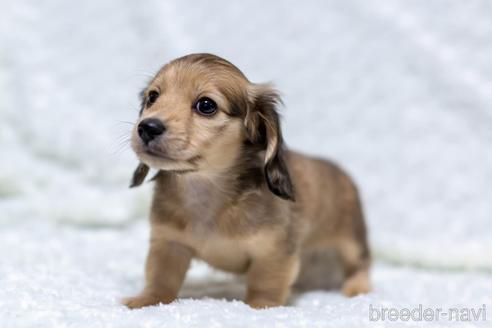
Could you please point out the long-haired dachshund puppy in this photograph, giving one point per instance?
(229, 193)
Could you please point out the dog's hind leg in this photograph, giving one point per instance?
(355, 263)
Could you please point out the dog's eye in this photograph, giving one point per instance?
(152, 97)
(206, 106)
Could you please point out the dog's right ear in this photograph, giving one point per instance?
(139, 175)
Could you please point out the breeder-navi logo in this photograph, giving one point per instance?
(428, 314)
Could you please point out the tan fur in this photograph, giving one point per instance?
(228, 192)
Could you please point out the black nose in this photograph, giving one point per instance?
(150, 128)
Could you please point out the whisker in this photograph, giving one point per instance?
(123, 145)
(122, 140)
(123, 137)
(136, 109)
(125, 122)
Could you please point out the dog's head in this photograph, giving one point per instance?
(199, 113)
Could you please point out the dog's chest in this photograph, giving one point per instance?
(222, 253)
(208, 217)
(200, 201)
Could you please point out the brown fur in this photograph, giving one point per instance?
(228, 192)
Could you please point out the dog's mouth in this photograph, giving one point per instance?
(170, 163)
(159, 154)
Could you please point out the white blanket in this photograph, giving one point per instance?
(52, 276)
(399, 93)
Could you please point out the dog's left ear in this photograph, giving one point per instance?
(263, 127)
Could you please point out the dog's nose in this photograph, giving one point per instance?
(150, 128)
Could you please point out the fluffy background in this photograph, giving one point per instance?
(398, 92)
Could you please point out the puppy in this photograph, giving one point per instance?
(229, 193)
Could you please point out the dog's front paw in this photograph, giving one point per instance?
(142, 300)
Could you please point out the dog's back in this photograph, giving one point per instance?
(331, 220)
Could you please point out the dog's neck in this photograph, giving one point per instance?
(201, 197)
(227, 184)
(203, 194)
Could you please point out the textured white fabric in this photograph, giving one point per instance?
(68, 277)
(398, 92)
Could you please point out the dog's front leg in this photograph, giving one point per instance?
(269, 280)
(167, 263)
